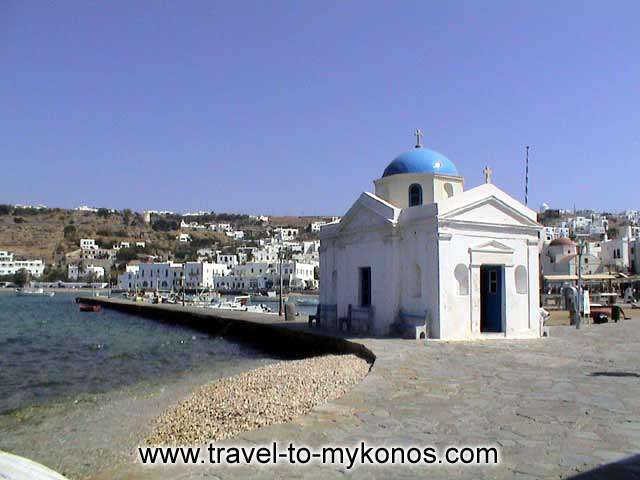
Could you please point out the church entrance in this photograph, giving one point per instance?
(491, 298)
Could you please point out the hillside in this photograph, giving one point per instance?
(50, 233)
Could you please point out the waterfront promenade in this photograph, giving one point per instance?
(555, 407)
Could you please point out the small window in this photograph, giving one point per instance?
(415, 195)
(448, 190)
(493, 281)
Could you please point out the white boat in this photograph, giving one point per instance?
(271, 296)
(240, 304)
(228, 305)
(29, 292)
(307, 301)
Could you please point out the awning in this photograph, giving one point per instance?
(596, 277)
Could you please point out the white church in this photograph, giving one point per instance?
(423, 250)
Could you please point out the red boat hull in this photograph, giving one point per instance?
(85, 307)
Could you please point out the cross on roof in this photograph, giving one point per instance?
(487, 174)
(419, 136)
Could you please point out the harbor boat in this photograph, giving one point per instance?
(240, 304)
(307, 301)
(31, 292)
(271, 296)
(87, 307)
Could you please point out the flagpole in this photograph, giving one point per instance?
(526, 179)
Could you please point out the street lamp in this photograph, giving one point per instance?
(580, 249)
(281, 255)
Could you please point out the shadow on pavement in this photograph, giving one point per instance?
(629, 468)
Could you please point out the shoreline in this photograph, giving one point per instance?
(62, 434)
(268, 333)
(68, 428)
(269, 395)
(88, 291)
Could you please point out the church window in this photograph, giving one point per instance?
(521, 279)
(417, 281)
(415, 195)
(448, 190)
(461, 273)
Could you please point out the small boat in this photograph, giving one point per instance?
(31, 292)
(307, 301)
(89, 307)
(269, 297)
(240, 307)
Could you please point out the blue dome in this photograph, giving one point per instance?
(421, 160)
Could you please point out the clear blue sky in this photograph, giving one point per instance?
(295, 107)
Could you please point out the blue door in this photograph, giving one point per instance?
(491, 298)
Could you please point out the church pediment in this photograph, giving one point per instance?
(489, 211)
(492, 252)
(492, 246)
(369, 212)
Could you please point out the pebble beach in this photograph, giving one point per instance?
(268, 395)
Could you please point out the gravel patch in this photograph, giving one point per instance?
(268, 395)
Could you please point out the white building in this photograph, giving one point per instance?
(616, 254)
(221, 227)
(230, 260)
(10, 266)
(85, 208)
(632, 216)
(73, 272)
(183, 238)
(127, 280)
(315, 226)
(560, 257)
(88, 244)
(259, 276)
(95, 271)
(160, 276)
(285, 234)
(199, 274)
(235, 234)
(551, 233)
(467, 261)
(267, 254)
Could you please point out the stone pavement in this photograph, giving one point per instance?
(555, 407)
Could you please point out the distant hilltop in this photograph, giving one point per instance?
(50, 234)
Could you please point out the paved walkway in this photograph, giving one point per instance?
(555, 407)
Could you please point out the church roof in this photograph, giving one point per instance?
(420, 160)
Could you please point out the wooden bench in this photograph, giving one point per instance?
(326, 315)
(360, 318)
(414, 324)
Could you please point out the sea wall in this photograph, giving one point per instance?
(263, 332)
